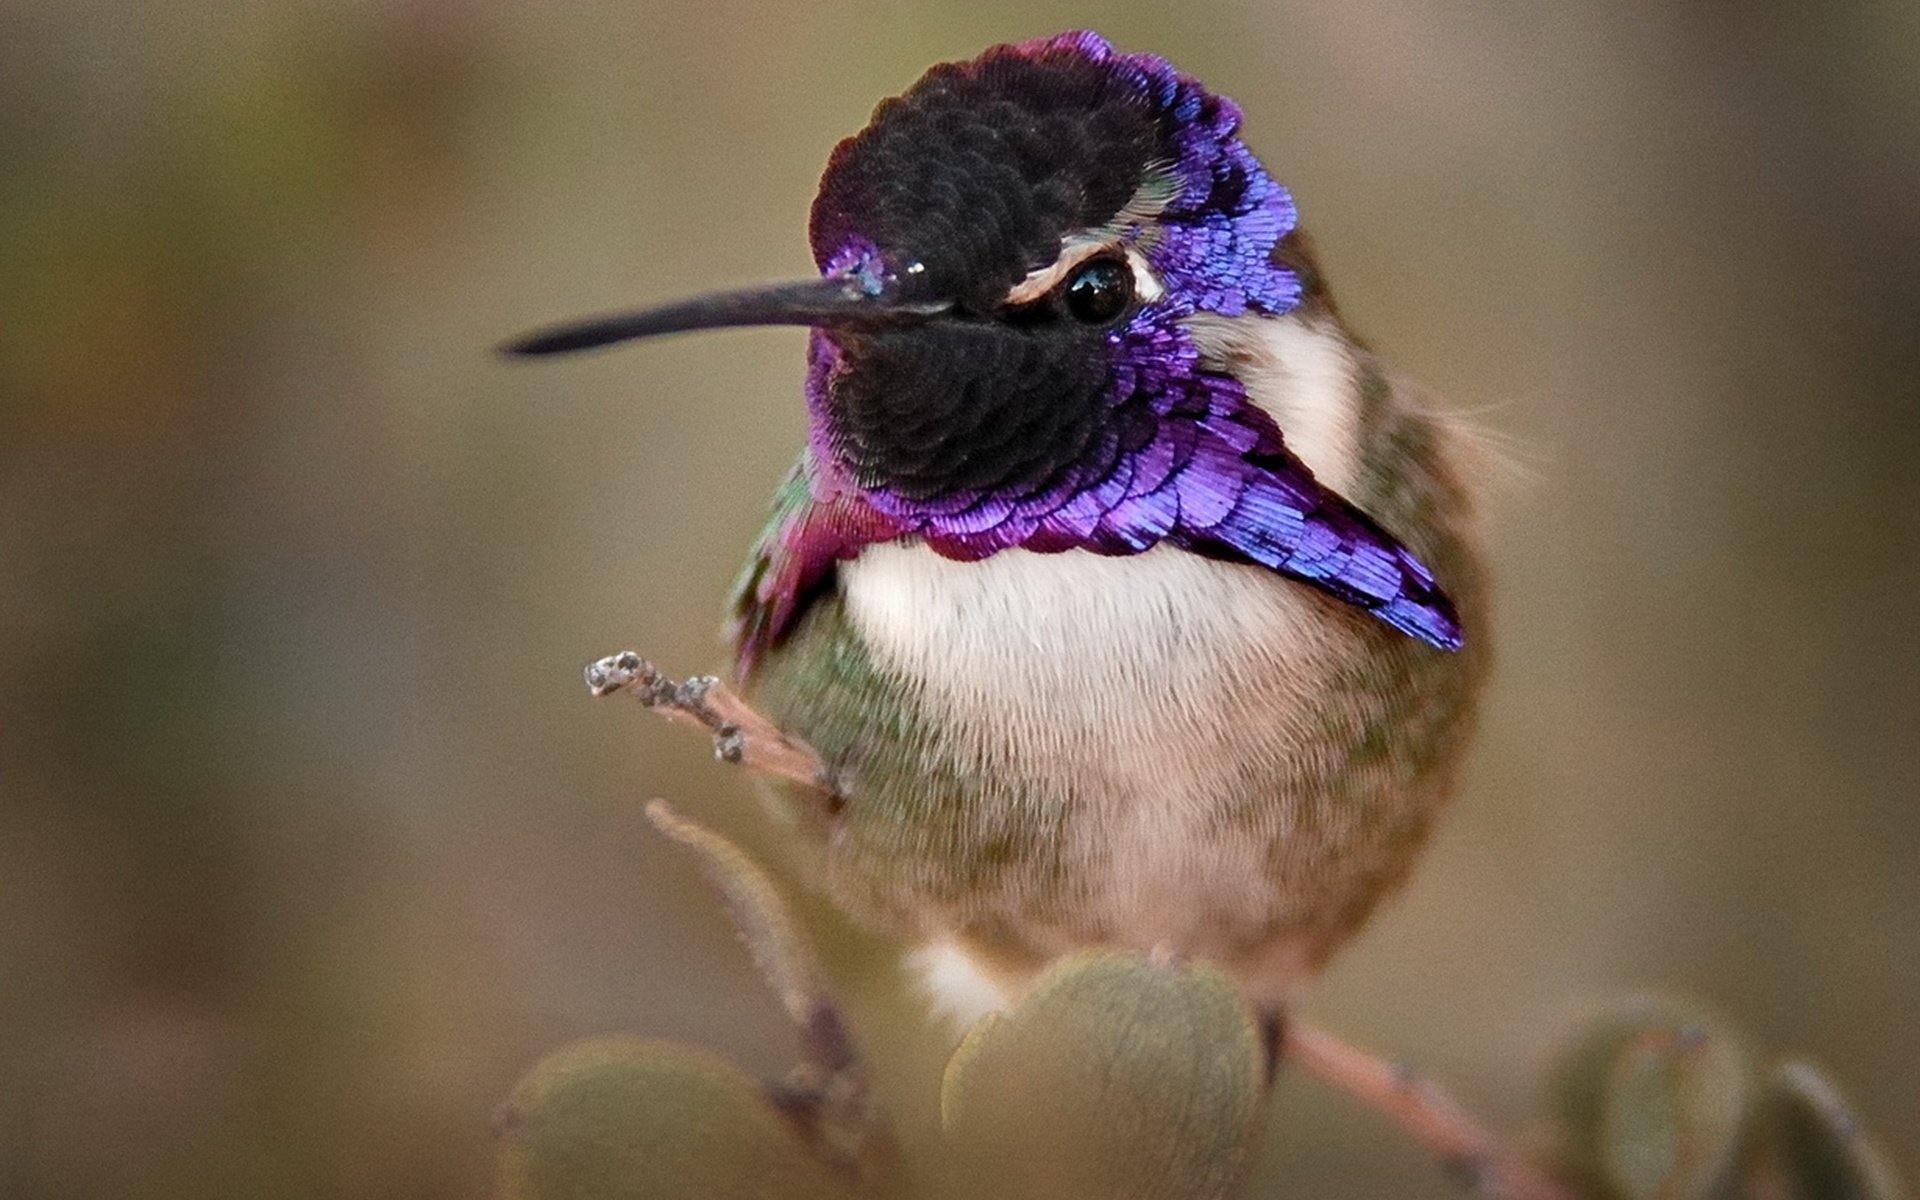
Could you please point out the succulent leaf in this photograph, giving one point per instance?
(1649, 1103)
(1802, 1142)
(1118, 1076)
(618, 1117)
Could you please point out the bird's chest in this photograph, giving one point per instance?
(1072, 747)
(1140, 670)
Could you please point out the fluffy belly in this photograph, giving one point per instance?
(1158, 751)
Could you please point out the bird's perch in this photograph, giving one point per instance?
(1430, 1116)
(740, 734)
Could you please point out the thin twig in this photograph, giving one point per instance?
(773, 936)
(1464, 1146)
(740, 735)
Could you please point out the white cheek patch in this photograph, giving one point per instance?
(1302, 371)
(1146, 284)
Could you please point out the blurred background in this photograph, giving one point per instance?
(311, 840)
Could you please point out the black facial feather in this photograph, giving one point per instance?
(965, 409)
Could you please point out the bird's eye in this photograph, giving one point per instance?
(1099, 291)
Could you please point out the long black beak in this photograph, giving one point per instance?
(837, 302)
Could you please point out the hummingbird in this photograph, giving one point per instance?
(1133, 599)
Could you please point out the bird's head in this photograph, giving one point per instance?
(1066, 208)
(1019, 257)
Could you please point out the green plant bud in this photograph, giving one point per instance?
(1117, 1077)
(1803, 1143)
(617, 1117)
(1649, 1101)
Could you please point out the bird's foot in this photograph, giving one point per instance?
(740, 734)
